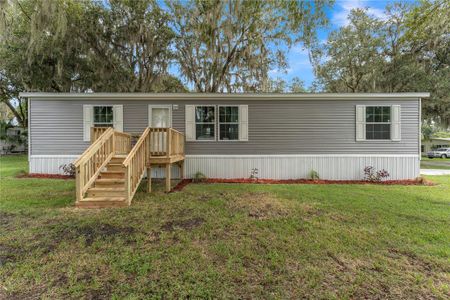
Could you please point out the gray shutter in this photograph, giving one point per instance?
(88, 121)
(190, 122)
(243, 122)
(396, 134)
(118, 117)
(360, 123)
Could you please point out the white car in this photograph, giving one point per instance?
(441, 152)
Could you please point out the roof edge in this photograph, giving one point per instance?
(217, 96)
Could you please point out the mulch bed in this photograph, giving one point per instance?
(185, 182)
(180, 186)
(45, 176)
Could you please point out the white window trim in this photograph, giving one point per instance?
(215, 122)
(151, 107)
(371, 123)
(93, 116)
(237, 123)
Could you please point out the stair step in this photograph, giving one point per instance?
(112, 167)
(106, 192)
(107, 199)
(105, 181)
(118, 159)
(102, 202)
(112, 174)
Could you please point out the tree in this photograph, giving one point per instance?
(427, 32)
(229, 46)
(406, 52)
(297, 86)
(70, 45)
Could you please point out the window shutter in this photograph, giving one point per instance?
(360, 123)
(243, 122)
(118, 117)
(396, 134)
(190, 122)
(88, 121)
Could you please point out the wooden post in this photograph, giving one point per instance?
(78, 184)
(169, 142)
(149, 179)
(182, 169)
(168, 177)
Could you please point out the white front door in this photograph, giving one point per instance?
(159, 116)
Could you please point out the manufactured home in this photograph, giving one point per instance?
(282, 136)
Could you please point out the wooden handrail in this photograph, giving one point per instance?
(136, 146)
(94, 146)
(135, 164)
(92, 161)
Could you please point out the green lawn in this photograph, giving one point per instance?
(225, 241)
(435, 163)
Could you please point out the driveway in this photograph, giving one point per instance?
(434, 172)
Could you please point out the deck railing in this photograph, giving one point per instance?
(166, 142)
(122, 140)
(136, 162)
(93, 160)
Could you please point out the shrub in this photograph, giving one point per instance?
(314, 175)
(254, 174)
(199, 177)
(68, 169)
(371, 175)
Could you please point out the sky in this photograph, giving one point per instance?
(299, 64)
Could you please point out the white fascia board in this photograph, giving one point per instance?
(218, 96)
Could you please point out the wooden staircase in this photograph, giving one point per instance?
(109, 172)
(109, 189)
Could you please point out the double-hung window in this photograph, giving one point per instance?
(103, 116)
(228, 122)
(378, 122)
(205, 123)
(216, 122)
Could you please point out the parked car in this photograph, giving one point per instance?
(440, 152)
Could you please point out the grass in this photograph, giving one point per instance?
(435, 163)
(225, 241)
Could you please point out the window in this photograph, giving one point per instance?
(378, 122)
(229, 122)
(205, 123)
(103, 116)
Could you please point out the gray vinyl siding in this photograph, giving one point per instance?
(275, 127)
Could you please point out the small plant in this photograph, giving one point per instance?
(68, 169)
(199, 177)
(371, 175)
(314, 175)
(254, 174)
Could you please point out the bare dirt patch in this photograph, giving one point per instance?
(260, 206)
(56, 233)
(10, 254)
(188, 224)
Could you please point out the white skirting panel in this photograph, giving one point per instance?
(337, 167)
(49, 164)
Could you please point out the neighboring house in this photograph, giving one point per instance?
(283, 136)
(434, 143)
(13, 141)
